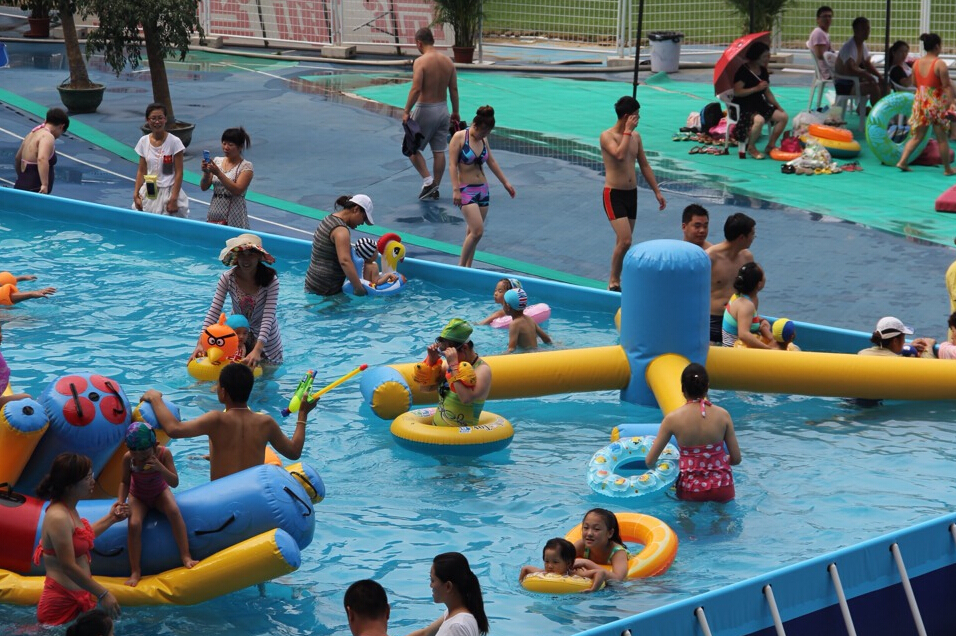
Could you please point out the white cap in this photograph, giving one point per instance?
(890, 327)
(365, 203)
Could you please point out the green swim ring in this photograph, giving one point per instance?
(878, 123)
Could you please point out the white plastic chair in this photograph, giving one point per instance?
(819, 85)
(855, 98)
(733, 115)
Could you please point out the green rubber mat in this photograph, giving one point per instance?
(570, 114)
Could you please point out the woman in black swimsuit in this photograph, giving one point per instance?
(37, 154)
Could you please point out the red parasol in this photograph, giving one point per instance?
(732, 59)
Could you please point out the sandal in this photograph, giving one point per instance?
(695, 150)
(614, 288)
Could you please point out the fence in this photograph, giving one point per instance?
(609, 25)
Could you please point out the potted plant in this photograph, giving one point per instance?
(167, 28)
(77, 93)
(759, 14)
(465, 17)
(39, 17)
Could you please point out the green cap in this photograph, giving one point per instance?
(457, 330)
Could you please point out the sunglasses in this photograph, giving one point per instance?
(444, 344)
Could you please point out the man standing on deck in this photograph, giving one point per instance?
(621, 147)
(433, 82)
(726, 259)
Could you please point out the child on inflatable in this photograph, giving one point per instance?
(5, 380)
(148, 473)
(10, 295)
(559, 556)
(601, 543)
(240, 325)
(365, 248)
(503, 285)
(523, 331)
(702, 430)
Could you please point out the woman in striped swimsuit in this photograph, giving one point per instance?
(253, 288)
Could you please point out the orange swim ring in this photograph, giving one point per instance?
(830, 132)
(780, 155)
(659, 541)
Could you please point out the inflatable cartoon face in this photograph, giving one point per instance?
(219, 341)
(392, 251)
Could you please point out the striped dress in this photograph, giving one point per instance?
(259, 310)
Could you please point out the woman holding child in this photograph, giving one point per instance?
(66, 542)
(253, 288)
(331, 263)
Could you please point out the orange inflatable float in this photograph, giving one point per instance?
(659, 541)
(830, 132)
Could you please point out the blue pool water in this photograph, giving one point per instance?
(816, 475)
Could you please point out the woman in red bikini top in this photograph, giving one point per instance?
(66, 543)
(708, 444)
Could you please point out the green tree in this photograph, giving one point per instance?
(167, 27)
(765, 13)
(79, 77)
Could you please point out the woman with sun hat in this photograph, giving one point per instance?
(253, 288)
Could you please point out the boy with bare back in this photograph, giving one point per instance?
(621, 147)
(726, 259)
(433, 82)
(523, 332)
(237, 436)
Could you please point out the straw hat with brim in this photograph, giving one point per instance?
(242, 243)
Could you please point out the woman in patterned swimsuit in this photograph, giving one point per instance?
(708, 444)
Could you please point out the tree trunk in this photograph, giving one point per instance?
(79, 78)
(157, 70)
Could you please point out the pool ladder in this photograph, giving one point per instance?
(844, 607)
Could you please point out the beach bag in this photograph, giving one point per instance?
(790, 144)
(710, 116)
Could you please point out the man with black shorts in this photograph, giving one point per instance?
(621, 147)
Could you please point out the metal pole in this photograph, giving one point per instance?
(637, 46)
(886, 46)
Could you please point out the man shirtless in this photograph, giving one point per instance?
(726, 259)
(433, 82)
(621, 147)
(237, 436)
(695, 224)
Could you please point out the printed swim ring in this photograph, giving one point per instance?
(837, 149)
(551, 583)
(414, 430)
(779, 155)
(604, 478)
(830, 132)
(205, 371)
(538, 313)
(385, 289)
(659, 541)
(877, 128)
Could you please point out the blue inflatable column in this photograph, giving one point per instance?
(665, 308)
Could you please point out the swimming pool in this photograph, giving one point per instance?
(816, 475)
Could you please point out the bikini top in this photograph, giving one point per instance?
(467, 156)
(614, 550)
(83, 538)
(730, 323)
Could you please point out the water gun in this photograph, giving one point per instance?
(305, 385)
(354, 372)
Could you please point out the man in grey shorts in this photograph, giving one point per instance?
(433, 81)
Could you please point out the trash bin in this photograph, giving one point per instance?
(665, 50)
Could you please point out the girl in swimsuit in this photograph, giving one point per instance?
(66, 541)
(705, 435)
(740, 315)
(468, 150)
(148, 472)
(601, 544)
(559, 557)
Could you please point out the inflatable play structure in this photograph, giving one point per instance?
(246, 528)
(660, 332)
(393, 252)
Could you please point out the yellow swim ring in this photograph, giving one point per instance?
(414, 430)
(204, 370)
(551, 583)
(659, 541)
